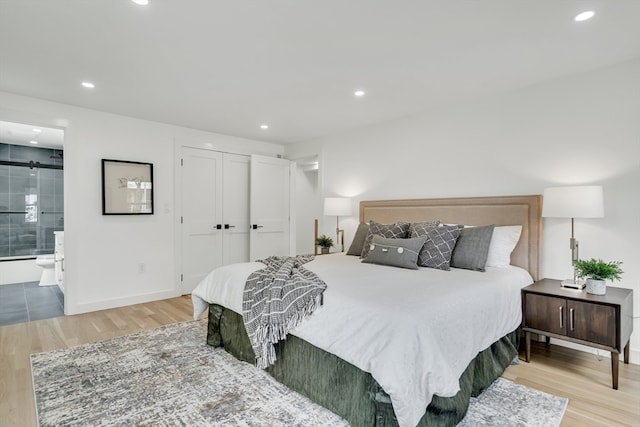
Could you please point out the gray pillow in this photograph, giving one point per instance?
(358, 239)
(399, 230)
(420, 228)
(395, 252)
(437, 250)
(472, 248)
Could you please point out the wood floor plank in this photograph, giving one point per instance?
(580, 376)
(586, 381)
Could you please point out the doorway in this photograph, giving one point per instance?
(308, 202)
(31, 215)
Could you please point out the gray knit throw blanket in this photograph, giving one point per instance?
(276, 299)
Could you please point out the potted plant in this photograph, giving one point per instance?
(325, 242)
(597, 273)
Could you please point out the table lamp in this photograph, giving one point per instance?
(338, 206)
(573, 202)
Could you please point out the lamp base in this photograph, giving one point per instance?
(573, 284)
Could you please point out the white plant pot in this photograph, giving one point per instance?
(596, 287)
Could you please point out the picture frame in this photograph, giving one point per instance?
(127, 187)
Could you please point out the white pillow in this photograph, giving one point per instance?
(503, 242)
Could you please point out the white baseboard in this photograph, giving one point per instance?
(86, 307)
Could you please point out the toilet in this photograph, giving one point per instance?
(47, 262)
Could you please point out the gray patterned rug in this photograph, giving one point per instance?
(169, 376)
(508, 404)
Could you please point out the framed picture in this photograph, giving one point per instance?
(127, 188)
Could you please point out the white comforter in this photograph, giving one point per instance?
(414, 331)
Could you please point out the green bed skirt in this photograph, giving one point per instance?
(345, 389)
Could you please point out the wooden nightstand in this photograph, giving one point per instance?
(600, 321)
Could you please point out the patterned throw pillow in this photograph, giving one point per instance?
(437, 250)
(399, 230)
(420, 228)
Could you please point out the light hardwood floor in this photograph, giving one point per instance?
(586, 381)
(553, 369)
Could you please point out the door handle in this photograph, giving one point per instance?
(227, 226)
(571, 326)
(560, 312)
(256, 226)
(218, 226)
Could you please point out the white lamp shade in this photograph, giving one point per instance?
(573, 202)
(337, 206)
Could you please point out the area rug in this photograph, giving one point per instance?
(168, 376)
(506, 403)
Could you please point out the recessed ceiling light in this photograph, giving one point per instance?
(36, 130)
(359, 93)
(141, 2)
(264, 126)
(583, 16)
(88, 85)
(33, 142)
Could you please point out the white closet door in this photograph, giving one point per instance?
(270, 198)
(236, 208)
(201, 215)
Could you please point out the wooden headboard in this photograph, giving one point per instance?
(501, 210)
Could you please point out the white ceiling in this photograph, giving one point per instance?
(23, 134)
(229, 66)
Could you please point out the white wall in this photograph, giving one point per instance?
(583, 129)
(102, 253)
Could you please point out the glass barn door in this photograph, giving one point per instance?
(31, 200)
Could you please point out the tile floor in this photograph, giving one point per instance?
(24, 302)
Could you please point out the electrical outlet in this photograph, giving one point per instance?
(142, 267)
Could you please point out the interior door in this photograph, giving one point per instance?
(236, 208)
(269, 207)
(201, 215)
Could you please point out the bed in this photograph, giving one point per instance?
(404, 370)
